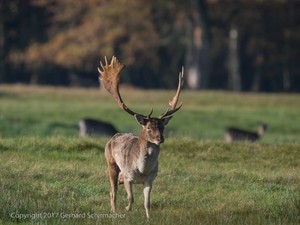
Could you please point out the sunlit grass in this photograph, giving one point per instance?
(47, 111)
(210, 182)
(46, 168)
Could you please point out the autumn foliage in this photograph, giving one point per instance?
(61, 41)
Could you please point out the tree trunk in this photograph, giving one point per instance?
(3, 49)
(234, 79)
(197, 51)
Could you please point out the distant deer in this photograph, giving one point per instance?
(133, 159)
(92, 127)
(236, 134)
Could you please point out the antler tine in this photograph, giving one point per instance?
(174, 101)
(109, 77)
(149, 115)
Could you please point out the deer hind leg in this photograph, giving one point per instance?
(113, 171)
(147, 191)
(128, 187)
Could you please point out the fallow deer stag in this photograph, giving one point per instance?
(133, 159)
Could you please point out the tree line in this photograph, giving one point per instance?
(242, 45)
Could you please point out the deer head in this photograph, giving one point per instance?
(152, 127)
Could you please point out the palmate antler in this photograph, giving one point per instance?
(109, 77)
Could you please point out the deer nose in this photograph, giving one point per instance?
(161, 139)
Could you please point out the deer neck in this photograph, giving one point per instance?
(148, 155)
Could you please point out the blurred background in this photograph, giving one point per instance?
(240, 45)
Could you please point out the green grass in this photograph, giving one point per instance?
(204, 182)
(44, 111)
(46, 169)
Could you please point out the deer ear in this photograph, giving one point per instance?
(142, 120)
(166, 120)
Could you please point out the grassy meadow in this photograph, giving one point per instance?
(48, 175)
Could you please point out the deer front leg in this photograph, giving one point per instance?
(147, 191)
(113, 171)
(128, 187)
